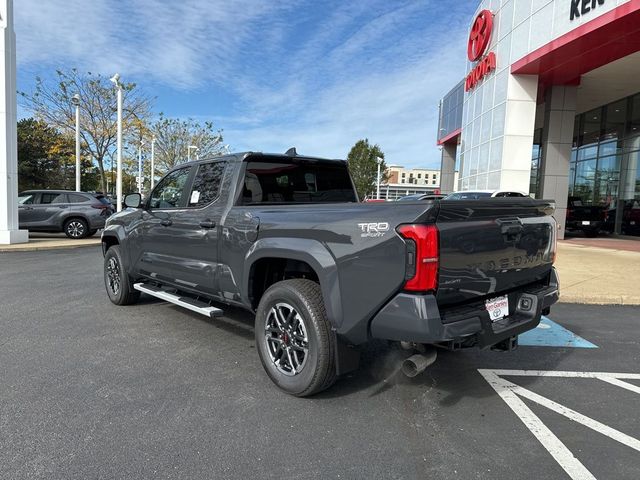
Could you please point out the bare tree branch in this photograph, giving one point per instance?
(51, 102)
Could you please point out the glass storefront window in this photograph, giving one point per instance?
(610, 147)
(572, 177)
(607, 181)
(585, 180)
(633, 126)
(632, 144)
(592, 126)
(615, 116)
(588, 151)
(577, 130)
(536, 155)
(605, 162)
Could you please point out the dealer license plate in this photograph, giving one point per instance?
(498, 308)
(586, 222)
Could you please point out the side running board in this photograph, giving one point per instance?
(182, 301)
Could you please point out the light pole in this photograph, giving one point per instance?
(140, 166)
(189, 152)
(153, 166)
(75, 100)
(116, 81)
(379, 160)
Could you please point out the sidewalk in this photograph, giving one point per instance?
(599, 271)
(50, 241)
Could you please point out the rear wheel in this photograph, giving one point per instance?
(293, 337)
(116, 279)
(76, 228)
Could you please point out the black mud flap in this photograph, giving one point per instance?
(347, 356)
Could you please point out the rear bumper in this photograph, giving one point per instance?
(417, 318)
(592, 225)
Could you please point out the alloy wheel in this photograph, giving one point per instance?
(287, 340)
(113, 275)
(75, 229)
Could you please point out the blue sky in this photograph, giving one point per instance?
(317, 75)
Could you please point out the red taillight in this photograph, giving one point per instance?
(423, 260)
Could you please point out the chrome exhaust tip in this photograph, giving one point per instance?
(416, 364)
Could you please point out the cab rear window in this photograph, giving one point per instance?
(300, 182)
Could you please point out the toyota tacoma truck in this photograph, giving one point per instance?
(284, 236)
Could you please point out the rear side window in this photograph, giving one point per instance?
(509, 194)
(46, 198)
(75, 198)
(206, 185)
(26, 198)
(103, 200)
(303, 182)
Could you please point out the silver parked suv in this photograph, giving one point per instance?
(77, 214)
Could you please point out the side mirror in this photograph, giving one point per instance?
(133, 200)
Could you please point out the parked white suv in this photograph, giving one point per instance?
(477, 194)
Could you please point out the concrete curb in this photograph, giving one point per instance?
(599, 300)
(37, 247)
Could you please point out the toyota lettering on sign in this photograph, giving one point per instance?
(479, 39)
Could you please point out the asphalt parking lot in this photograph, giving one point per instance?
(90, 390)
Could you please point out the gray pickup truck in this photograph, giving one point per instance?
(285, 237)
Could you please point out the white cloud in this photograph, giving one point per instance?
(317, 75)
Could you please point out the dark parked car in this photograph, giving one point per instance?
(589, 219)
(419, 197)
(77, 214)
(284, 237)
(630, 222)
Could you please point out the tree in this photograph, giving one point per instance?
(363, 165)
(174, 136)
(51, 102)
(46, 158)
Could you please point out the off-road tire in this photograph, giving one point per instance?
(124, 294)
(318, 372)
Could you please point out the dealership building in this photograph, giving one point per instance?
(550, 105)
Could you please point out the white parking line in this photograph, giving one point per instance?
(511, 393)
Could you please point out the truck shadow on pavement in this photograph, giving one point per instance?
(454, 375)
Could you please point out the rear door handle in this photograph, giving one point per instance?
(208, 224)
(166, 222)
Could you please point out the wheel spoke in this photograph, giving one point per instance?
(293, 368)
(279, 317)
(295, 323)
(292, 315)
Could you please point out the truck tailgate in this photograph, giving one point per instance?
(489, 247)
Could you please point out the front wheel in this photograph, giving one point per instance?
(116, 279)
(293, 337)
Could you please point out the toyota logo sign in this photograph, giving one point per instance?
(476, 48)
(480, 35)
